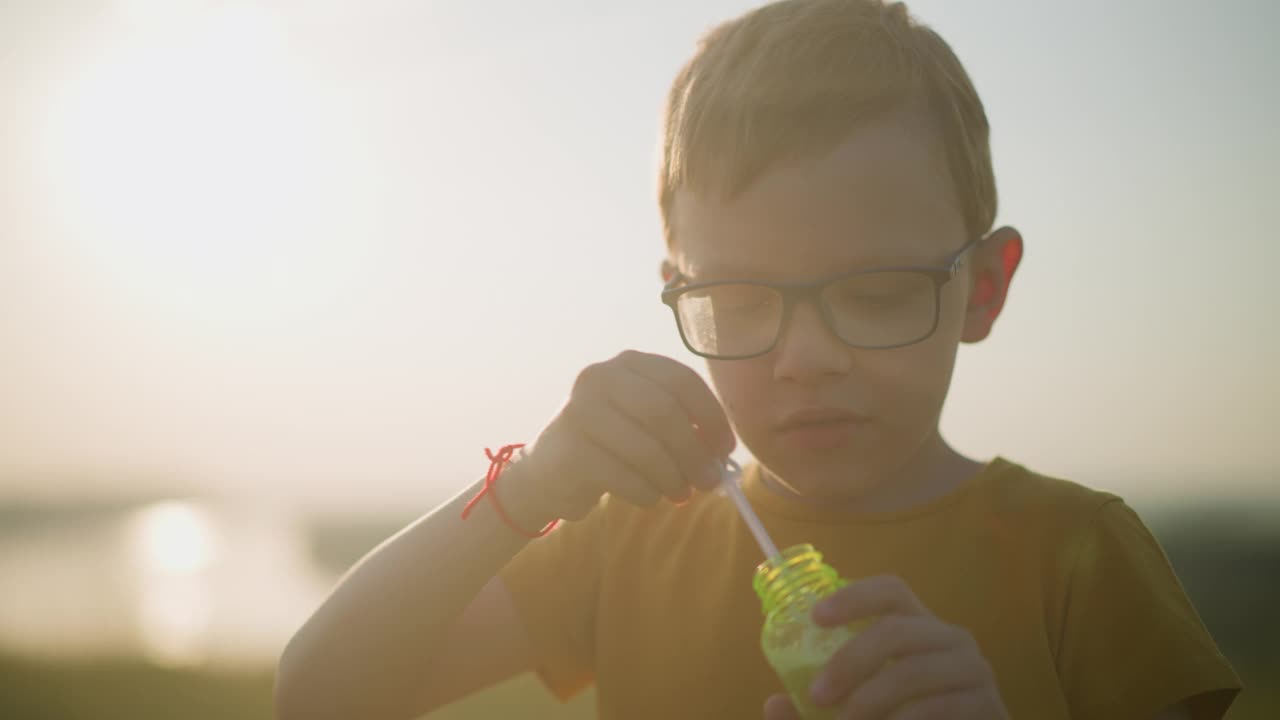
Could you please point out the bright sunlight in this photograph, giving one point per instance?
(184, 156)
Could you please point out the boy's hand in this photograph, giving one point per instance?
(907, 665)
(628, 429)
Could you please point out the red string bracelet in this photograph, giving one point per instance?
(497, 463)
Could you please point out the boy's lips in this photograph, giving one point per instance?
(819, 428)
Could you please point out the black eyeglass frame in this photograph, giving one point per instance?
(795, 292)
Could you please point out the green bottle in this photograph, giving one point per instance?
(797, 648)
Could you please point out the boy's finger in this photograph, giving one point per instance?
(617, 477)
(699, 403)
(961, 703)
(914, 677)
(779, 707)
(633, 446)
(868, 597)
(653, 407)
(891, 638)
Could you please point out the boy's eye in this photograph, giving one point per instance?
(743, 307)
(879, 290)
(855, 295)
(743, 299)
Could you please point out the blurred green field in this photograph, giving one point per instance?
(133, 690)
(136, 691)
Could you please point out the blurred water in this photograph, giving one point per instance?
(219, 584)
(179, 582)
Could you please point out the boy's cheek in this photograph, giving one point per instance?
(743, 389)
(907, 386)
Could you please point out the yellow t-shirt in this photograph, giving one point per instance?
(1070, 597)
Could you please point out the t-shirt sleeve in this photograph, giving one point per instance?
(1132, 643)
(554, 584)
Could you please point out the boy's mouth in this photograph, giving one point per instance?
(819, 428)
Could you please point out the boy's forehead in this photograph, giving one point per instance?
(882, 196)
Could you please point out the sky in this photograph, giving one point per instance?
(324, 253)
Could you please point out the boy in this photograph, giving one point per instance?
(828, 201)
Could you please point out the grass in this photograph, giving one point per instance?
(134, 690)
(127, 689)
(137, 691)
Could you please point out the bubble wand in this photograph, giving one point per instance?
(730, 471)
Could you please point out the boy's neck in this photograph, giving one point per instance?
(936, 471)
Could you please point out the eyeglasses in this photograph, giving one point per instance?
(878, 308)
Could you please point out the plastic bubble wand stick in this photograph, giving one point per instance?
(730, 471)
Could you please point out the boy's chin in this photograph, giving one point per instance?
(840, 482)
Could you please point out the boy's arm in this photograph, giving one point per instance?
(420, 621)
(487, 645)
(393, 641)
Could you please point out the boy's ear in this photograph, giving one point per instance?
(995, 262)
(668, 271)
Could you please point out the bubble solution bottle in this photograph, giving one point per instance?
(789, 584)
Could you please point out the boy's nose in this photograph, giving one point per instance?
(807, 350)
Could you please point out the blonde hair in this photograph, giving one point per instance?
(795, 78)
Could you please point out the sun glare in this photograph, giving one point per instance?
(174, 546)
(195, 162)
(173, 538)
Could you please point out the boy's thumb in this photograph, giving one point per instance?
(779, 707)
